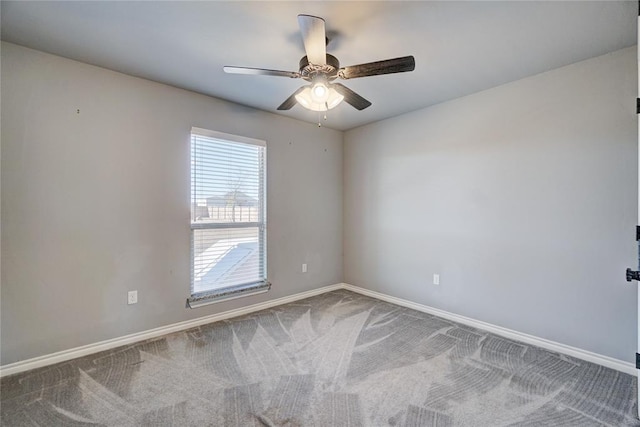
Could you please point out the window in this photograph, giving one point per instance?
(228, 222)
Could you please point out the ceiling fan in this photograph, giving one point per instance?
(322, 69)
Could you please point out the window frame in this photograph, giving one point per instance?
(198, 299)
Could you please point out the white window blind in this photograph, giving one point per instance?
(228, 221)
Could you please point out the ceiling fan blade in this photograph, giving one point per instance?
(314, 38)
(290, 101)
(260, 72)
(350, 97)
(388, 66)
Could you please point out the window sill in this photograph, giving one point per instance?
(226, 294)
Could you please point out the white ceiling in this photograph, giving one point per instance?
(460, 47)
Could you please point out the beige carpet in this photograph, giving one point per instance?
(338, 359)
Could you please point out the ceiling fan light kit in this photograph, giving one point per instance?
(319, 95)
(321, 69)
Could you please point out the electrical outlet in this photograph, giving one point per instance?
(436, 279)
(132, 297)
(304, 268)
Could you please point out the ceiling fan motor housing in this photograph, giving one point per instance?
(330, 70)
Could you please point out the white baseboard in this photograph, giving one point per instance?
(609, 362)
(63, 356)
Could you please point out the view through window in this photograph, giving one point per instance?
(228, 224)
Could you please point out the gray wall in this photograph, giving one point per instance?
(97, 203)
(523, 197)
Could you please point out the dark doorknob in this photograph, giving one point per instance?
(632, 275)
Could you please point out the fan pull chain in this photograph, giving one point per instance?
(325, 115)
